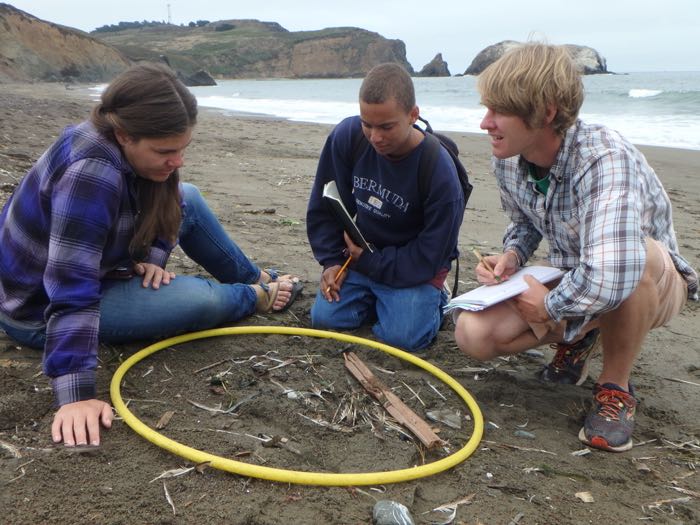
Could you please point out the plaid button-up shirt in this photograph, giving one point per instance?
(603, 201)
(67, 224)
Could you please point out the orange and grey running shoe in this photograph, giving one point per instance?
(610, 424)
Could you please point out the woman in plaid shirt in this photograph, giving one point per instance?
(86, 236)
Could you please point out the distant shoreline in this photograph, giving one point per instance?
(81, 93)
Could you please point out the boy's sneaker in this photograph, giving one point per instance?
(570, 364)
(610, 424)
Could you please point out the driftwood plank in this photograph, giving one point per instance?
(391, 402)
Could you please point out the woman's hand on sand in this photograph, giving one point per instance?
(153, 275)
(330, 286)
(79, 423)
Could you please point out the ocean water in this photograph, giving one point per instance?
(660, 109)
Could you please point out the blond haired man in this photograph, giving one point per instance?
(607, 221)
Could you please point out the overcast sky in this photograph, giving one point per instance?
(632, 35)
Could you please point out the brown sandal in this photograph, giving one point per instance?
(267, 295)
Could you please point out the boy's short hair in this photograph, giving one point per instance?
(387, 81)
(528, 79)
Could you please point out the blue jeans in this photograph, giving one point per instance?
(408, 318)
(129, 312)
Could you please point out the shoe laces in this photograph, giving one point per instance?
(564, 350)
(612, 402)
(559, 361)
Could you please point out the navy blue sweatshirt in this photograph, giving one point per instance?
(415, 235)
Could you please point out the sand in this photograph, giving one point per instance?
(256, 174)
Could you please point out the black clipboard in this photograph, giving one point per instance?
(332, 197)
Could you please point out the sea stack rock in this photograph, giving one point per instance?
(586, 58)
(437, 67)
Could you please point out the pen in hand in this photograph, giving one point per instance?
(340, 272)
(486, 265)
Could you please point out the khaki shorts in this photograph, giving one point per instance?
(671, 287)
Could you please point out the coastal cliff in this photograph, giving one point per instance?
(32, 49)
(255, 49)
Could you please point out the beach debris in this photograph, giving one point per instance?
(515, 447)
(325, 424)
(207, 367)
(168, 498)
(681, 381)
(691, 493)
(22, 472)
(451, 418)
(516, 519)
(234, 408)
(640, 443)
(658, 505)
(289, 392)
(201, 467)
(524, 434)
(387, 512)
(319, 391)
(473, 370)
(415, 394)
(436, 390)
(277, 441)
(165, 419)
(11, 449)
(582, 452)
(449, 510)
(692, 445)
(391, 402)
(216, 409)
(585, 496)
(642, 467)
(173, 473)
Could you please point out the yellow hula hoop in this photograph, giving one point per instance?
(292, 476)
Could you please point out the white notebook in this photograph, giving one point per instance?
(485, 296)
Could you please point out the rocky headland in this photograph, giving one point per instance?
(36, 50)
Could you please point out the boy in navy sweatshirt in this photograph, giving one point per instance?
(412, 231)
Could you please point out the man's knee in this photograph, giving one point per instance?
(471, 339)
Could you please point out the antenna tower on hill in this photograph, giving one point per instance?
(170, 19)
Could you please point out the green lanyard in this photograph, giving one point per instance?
(542, 185)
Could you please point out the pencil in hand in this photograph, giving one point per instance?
(486, 265)
(340, 272)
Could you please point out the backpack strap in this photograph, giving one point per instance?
(426, 166)
(427, 163)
